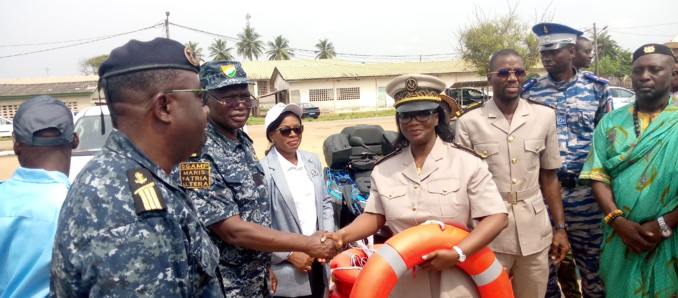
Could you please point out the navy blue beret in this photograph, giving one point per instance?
(160, 53)
(652, 48)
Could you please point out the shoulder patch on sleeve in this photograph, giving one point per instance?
(194, 174)
(594, 78)
(469, 108)
(467, 149)
(528, 85)
(540, 103)
(387, 156)
(147, 195)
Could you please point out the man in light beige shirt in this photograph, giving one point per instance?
(518, 137)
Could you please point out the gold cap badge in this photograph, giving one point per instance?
(648, 49)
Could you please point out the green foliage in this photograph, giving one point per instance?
(91, 65)
(279, 49)
(612, 59)
(486, 35)
(220, 51)
(196, 49)
(325, 49)
(249, 44)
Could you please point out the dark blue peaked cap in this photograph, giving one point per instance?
(554, 36)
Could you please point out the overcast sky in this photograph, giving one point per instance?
(373, 28)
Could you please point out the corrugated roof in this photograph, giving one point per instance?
(292, 72)
(20, 90)
(262, 70)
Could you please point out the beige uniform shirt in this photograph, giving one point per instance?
(454, 187)
(515, 153)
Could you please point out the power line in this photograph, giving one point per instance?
(81, 43)
(640, 34)
(657, 25)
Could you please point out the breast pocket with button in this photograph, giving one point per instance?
(444, 199)
(395, 201)
(533, 149)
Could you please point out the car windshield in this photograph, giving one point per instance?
(89, 132)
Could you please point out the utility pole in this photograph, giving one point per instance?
(167, 24)
(595, 46)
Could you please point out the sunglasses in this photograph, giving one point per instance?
(201, 93)
(505, 73)
(285, 131)
(421, 116)
(232, 102)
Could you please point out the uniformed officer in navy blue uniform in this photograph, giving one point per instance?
(126, 228)
(581, 99)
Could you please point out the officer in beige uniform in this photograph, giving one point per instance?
(430, 177)
(519, 139)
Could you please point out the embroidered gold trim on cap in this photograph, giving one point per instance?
(411, 84)
(421, 93)
(191, 57)
(648, 49)
(194, 174)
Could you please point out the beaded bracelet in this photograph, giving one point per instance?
(617, 213)
(615, 216)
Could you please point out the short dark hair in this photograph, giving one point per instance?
(502, 53)
(581, 38)
(147, 83)
(443, 130)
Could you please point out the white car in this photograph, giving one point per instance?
(88, 127)
(6, 127)
(621, 97)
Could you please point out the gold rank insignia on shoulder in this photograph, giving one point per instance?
(469, 150)
(194, 174)
(648, 49)
(147, 195)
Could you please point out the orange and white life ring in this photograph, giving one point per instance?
(405, 250)
(345, 268)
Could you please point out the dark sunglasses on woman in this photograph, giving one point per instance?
(505, 72)
(285, 131)
(421, 116)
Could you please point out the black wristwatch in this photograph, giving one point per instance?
(560, 227)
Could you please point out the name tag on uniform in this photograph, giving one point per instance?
(561, 120)
(194, 174)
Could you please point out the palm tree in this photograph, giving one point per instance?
(194, 46)
(279, 49)
(249, 44)
(325, 49)
(607, 47)
(219, 50)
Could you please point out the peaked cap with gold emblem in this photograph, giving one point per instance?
(415, 92)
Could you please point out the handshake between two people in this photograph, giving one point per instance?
(321, 246)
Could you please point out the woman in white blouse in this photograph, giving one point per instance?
(300, 202)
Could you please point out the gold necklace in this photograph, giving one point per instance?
(419, 166)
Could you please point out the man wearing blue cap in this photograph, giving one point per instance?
(31, 199)
(126, 228)
(226, 183)
(632, 170)
(581, 99)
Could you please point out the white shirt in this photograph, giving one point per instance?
(303, 192)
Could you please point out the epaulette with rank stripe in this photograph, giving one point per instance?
(528, 85)
(470, 107)
(541, 103)
(467, 149)
(387, 156)
(595, 78)
(147, 195)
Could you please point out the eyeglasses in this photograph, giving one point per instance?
(232, 102)
(421, 116)
(285, 131)
(505, 72)
(201, 93)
